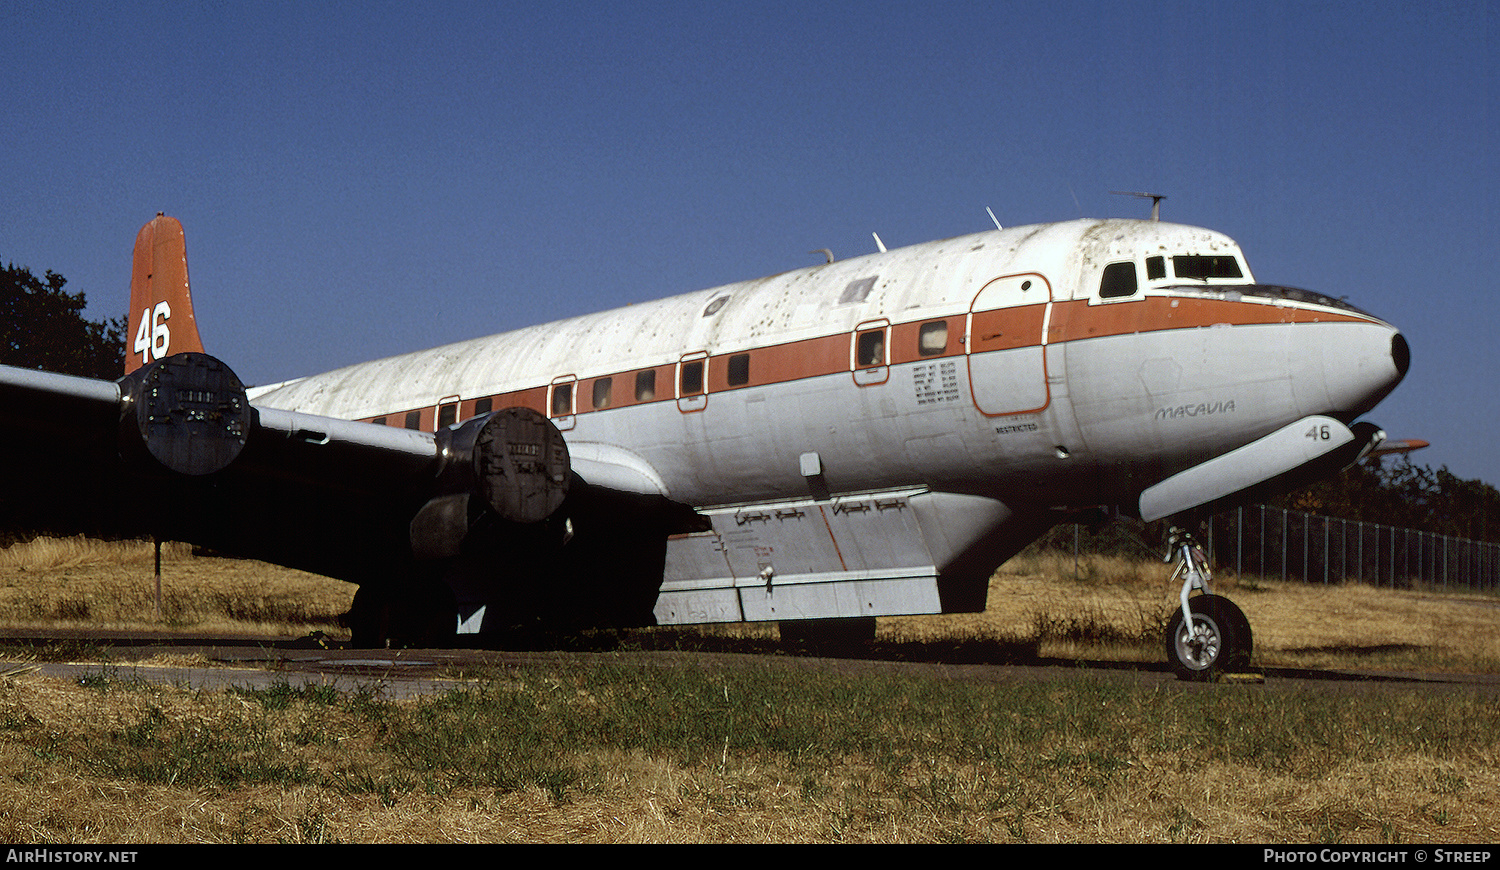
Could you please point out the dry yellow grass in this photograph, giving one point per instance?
(1123, 603)
(49, 792)
(1296, 625)
(110, 585)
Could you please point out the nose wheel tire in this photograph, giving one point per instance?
(1217, 641)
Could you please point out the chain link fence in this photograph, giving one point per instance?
(1292, 545)
(1277, 543)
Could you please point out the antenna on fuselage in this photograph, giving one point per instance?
(825, 252)
(1155, 198)
(878, 243)
(993, 218)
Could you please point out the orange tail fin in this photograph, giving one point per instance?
(161, 308)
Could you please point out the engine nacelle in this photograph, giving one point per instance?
(513, 462)
(519, 462)
(189, 411)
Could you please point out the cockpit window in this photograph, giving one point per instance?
(1201, 268)
(1119, 280)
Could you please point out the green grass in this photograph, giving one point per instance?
(808, 753)
(542, 726)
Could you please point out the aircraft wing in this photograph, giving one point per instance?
(40, 407)
(50, 431)
(498, 512)
(337, 497)
(75, 461)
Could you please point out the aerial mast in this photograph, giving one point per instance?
(1155, 198)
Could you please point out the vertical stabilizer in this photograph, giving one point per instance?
(161, 308)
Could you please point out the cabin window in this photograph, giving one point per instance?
(1201, 268)
(378, 421)
(645, 385)
(739, 370)
(602, 388)
(447, 415)
(1118, 281)
(413, 419)
(562, 399)
(870, 349)
(483, 406)
(692, 378)
(932, 338)
(1156, 267)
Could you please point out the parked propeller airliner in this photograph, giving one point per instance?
(862, 438)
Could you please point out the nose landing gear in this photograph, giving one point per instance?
(1207, 635)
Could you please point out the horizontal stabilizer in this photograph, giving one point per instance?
(1391, 445)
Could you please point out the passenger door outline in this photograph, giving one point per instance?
(1005, 341)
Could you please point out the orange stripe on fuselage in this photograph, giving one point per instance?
(993, 330)
(1072, 321)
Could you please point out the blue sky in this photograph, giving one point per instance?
(362, 179)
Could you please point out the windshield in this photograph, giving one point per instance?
(1201, 268)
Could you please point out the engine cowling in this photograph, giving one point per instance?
(520, 464)
(512, 462)
(188, 411)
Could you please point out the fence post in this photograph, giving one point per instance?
(1393, 557)
(1260, 566)
(1361, 552)
(1343, 550)
(1239, 541)
(1306, 534)
(1283, 545)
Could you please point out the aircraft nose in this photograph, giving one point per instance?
(1400, 354)
(1350, 366)
(1367, 367)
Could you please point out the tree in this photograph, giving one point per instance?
(42, 327)
(1395, 492)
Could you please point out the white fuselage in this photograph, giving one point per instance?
(987, 364)
(873, 436)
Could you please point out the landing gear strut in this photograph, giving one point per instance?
(1214, 637)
